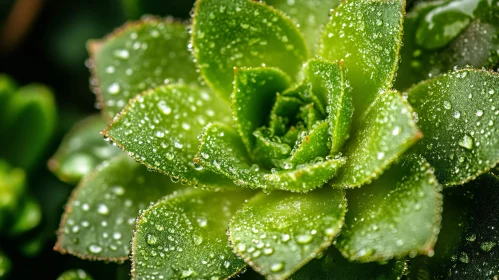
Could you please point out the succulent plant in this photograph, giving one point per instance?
(26, 114)
(274, 135)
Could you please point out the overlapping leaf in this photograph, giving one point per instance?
(386, 131)
(332, 265)
(243, 33)
(223, 152)
(459, 116)
(140, 56)
(474, 46)
(278, 233)
(183, 236)
(309, 16)
(366, 34)
(396, 215)
(101, 212)
(81, 150)
(467, 245)
(160, 128)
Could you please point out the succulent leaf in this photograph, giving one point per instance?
(81, 150)
(276, 235)
(243, 33)
(367, 35)
(386, 131)
(468, 239)
(396, 215)
(140, 56)
(459, 115)
(183, 236)
(159, 128)
(310, 16)
(101, 212)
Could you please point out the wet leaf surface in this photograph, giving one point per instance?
(101, 212)
(458, 114)
(310, 16)
(396, 215)
(366, 34)
(160, 128)
(243, 33)
(332, 265)
(183, 236)
(81, 150)
(139, 56)
(475, 46)
(386, 131)
(467, 244)
(278, 233)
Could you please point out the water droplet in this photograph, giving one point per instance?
(479, 113)
(276, 267)
(456, 114)
(103, 209)
(304, 238)
(487, 245)
(94, 249)
(381, 155)
(466, 142)
(123, 54)
(463, 257)
(198, 239)
(114, 88)
(164, 107)
(151, 239)
(117, 235)
(447, 105)
(396, 130)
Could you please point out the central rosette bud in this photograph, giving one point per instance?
(288, 136)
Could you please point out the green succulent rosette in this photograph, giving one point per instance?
(297, 154)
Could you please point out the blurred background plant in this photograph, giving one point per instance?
(44, 92)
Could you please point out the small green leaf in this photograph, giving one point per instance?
(255, 88)
(367, 35)
(101, 212)
(314, 144)
(12, 187)
(309, 15)
(467, 244)
(29, 114)
(222, 151)
(386, 131)
(243, 33)
(444, 23)
(5, 265)
(183, 236)
(328, 80)
(75, 274)
(305, 177)
(267, 151)
(27, 217)
(82, 149)
(160, 128)
(459, 115)
(396, 215)
(332, 265)
(476, 46)
(139, 56)
(276, 235)
(283, 113)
